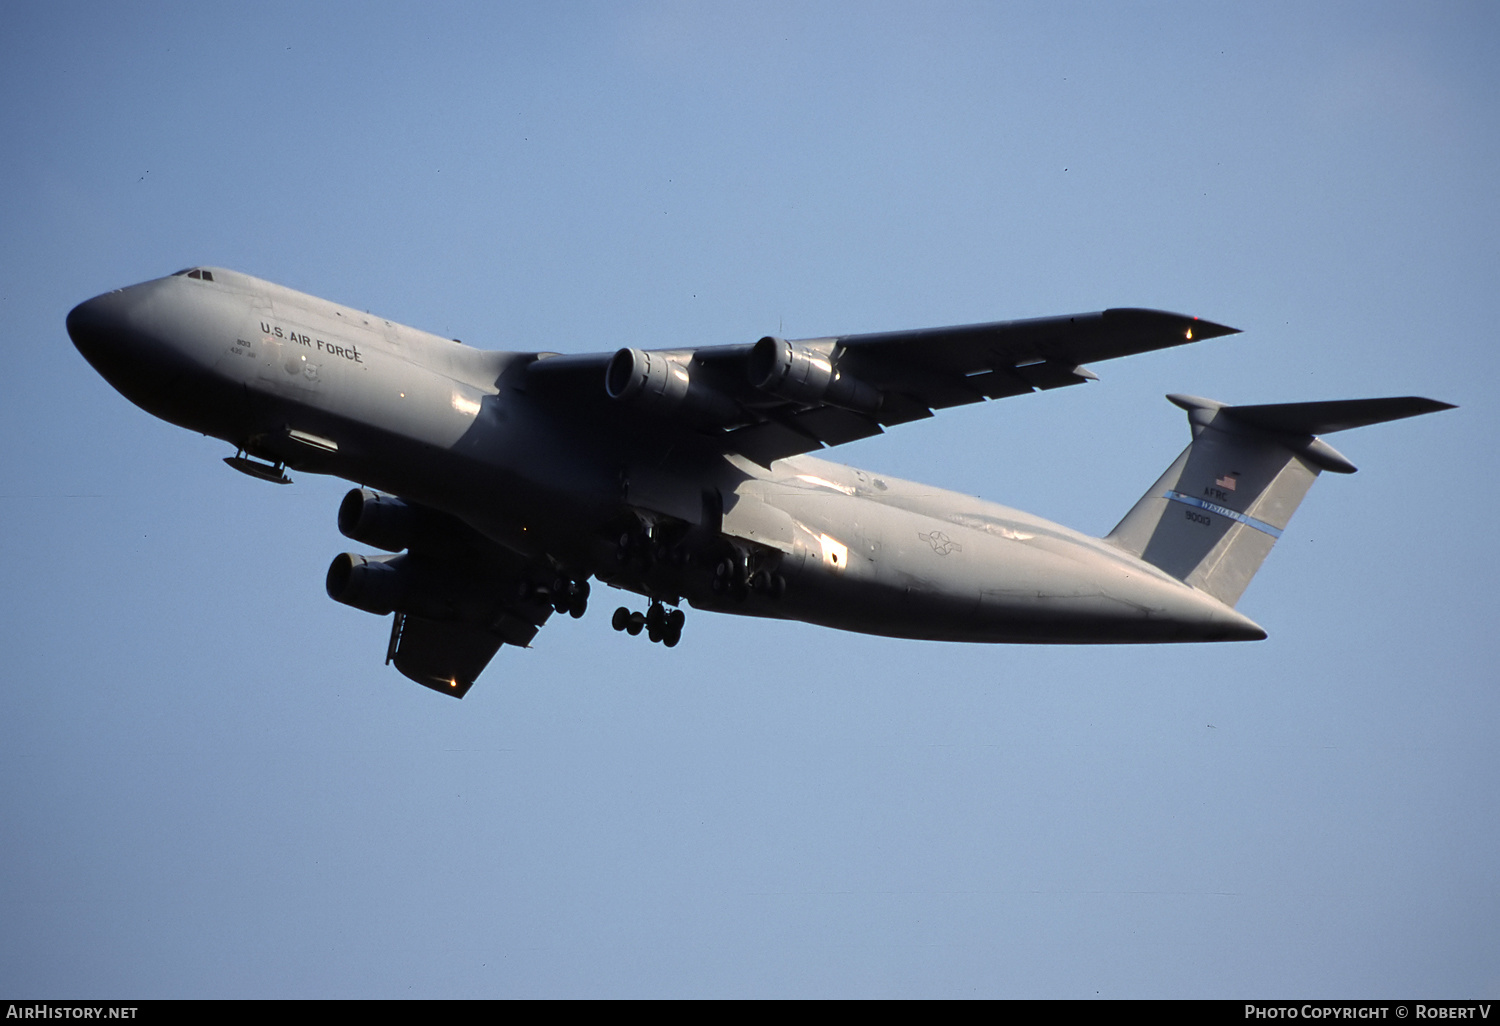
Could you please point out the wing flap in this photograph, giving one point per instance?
(833, 426)
(445, 657)
(769, 441)
(1000, 384)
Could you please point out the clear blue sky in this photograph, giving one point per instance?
(212, 787)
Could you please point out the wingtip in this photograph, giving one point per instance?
(1201, 329)
(1193, 328)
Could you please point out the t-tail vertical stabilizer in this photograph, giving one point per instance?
(1212, 518)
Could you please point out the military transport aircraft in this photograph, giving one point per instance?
(506, 481)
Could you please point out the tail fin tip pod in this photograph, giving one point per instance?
(1212, 518)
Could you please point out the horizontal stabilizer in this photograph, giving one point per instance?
(1318, 418)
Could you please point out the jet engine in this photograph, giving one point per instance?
(664, 386)
(802, 375)
(383, 521)
(375, 584)
(411, 584)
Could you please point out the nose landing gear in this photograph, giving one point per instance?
(659, 623)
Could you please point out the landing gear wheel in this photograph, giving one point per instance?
(672, 630)
(660, 624)
(568, 596)
(727, 577)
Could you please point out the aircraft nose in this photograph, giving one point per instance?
(158, 344)
(96, 327)
(122, 339)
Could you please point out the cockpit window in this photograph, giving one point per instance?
(195, 272)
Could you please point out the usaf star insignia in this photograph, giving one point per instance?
(940, 542)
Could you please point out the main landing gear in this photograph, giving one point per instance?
(563, 595)
(660, 624)
(571, 597)
(733, 577)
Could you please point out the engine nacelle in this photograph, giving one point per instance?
(802, 375)
(383, 521)
(375, 584)
(664, 386)
(423, 587)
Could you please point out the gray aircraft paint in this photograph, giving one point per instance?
(521, 477)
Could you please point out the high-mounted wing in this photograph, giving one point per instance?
(457, 596)
(781, 397)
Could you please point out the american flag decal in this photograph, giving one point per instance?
(1226, 482)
